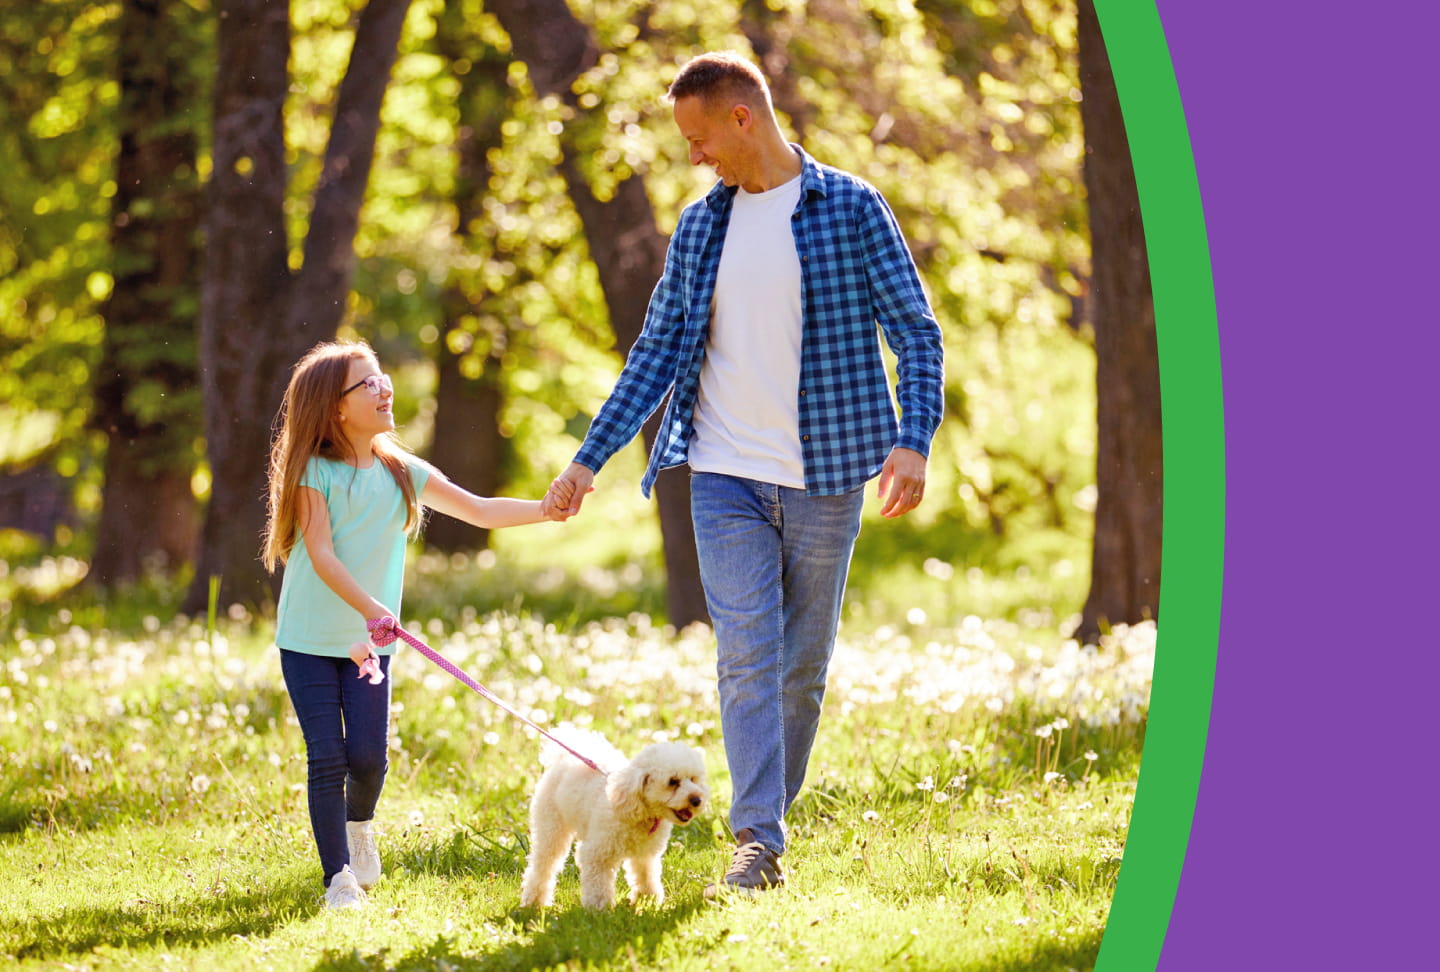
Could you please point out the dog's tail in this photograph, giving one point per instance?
(587, 742)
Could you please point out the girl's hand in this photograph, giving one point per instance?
(364, 657)
(567, 491)
(362, 653)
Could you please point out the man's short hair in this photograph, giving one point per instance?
(720, 76)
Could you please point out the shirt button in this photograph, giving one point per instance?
(804, 438)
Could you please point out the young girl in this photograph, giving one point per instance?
(345, 496)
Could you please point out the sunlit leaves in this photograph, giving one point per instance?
(963, 112)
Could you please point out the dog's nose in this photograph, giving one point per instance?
(694, 801)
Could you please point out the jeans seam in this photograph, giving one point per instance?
(780, 666)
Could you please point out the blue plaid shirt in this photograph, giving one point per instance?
(856, 272)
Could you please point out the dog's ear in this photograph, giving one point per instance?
(626, 791)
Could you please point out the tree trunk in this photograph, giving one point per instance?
(468, 445)
(256, 319)
(1125, 577)
(244, 286)
(147, 395)
(628, 250)
(317, 304)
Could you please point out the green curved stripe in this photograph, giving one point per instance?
(1192, 558)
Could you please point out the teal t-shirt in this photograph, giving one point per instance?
(367, 526)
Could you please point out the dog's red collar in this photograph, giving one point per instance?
(655, 826)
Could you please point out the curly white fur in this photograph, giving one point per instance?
(624, 818)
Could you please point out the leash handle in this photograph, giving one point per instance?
(384, 631)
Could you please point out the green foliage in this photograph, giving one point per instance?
(964, 114)
(967, 805)
(56, 149)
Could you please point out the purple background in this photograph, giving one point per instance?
(1313, 131)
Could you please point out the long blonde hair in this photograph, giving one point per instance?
(308, 425)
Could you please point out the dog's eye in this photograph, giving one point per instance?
(674, 781)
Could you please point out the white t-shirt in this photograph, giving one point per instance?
(747, 416)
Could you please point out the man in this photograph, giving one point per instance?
(762, 330)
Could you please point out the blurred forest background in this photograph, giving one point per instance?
(196, 191)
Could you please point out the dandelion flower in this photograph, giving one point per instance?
(1091, 755)
(870, 816)
(199, 783)
(1051, 777)
(491, 738)
(928, 783)
(941, 796)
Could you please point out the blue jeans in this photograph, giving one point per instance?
(773, 562)
(346, 724)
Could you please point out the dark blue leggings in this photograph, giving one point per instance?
(346, 723)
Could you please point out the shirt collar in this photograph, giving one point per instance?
(812, 182)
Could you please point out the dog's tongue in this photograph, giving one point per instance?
(684, 815)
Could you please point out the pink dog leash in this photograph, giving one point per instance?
(384, 631)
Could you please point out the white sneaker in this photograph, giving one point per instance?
(344, 891)
(364, 855)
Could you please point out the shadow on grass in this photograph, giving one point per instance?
(589, 939)
(144, 924)
(1052, 956)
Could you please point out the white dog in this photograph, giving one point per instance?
(622, 817)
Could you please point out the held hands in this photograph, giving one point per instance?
(567, 492)
(902, 482)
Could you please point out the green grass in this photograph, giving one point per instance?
(966, 809)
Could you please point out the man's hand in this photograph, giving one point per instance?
(567, 491)
(902, 482)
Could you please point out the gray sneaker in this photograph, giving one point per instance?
(753, 869)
